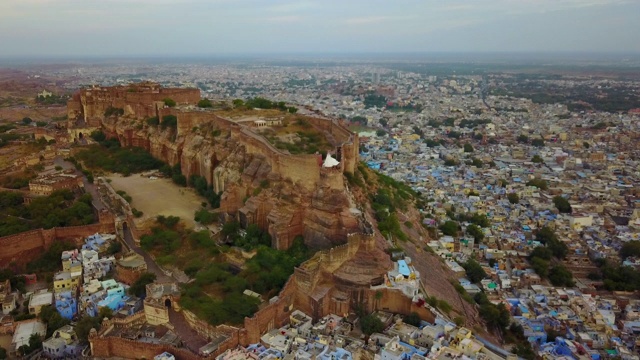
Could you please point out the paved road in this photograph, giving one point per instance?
(88, 187)
(151, 265)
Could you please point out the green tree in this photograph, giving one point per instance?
(513, 198)
(546, 234)
(114, 248)
(541, 252)
(475, 231)
(169, 121)
(412, 319)
(449, 228)
(451, 162)
(371, 324)
(630, 248)
(454, 134)
(378, 296)
(558, 248)
(540, 266)
(474, 271)
(478, 219)
(52, 318)
(153, 121)
(237, 103)
(84, 326)
(524, 139)
(539, 183)
(139, 287)
(204, 217)
(35, 342)
(537, 159)
(105, 312)
(169, 102)
(562, 204)
(431, 143)
(468, 148)
(537, 142)
(524, 350)
(381, 132)
(559, 275)
(26, 120)
(231, 231)
(205, 103)
(449, 121)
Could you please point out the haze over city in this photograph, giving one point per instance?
(120, 28)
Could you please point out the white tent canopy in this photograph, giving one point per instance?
(330, 162)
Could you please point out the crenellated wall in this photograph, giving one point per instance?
(139, 101)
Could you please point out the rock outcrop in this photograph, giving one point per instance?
(287, 195)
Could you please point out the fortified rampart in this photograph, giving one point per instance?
(234, 160)
(141, 101)
(105, 345)
(145, 100)
(348, 150)
(117, 347)
(231, 334)
(317, 289)
(19, 249)
(307, 290)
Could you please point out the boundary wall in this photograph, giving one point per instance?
(19, 249)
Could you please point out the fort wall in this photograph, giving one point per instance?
(349, 144)
(128, 275)
(108, 347)
(141, 101)
(301, 169)
(332, 178)
(187, 120)
(395, 301)
(271, 316)
(208, 331)
(19, 249)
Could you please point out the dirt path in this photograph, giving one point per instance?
(436, 280)
(152, 267)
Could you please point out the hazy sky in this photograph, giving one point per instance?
(204, 27)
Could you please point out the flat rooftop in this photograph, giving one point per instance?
(403, 268)
(41, 299)
(25, 329)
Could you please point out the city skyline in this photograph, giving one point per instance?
(123, 28)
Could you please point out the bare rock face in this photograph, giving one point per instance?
(327, 219)
(365, 268)
(255, 187)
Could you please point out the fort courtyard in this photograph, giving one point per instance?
(158, 197)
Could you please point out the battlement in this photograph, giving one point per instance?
(308, 273)
(87, 106)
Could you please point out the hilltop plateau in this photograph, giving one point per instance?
(291, 176)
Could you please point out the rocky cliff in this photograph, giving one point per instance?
(287, 195)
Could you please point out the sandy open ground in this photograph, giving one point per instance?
(158, 197)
